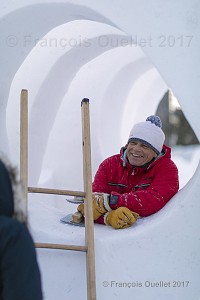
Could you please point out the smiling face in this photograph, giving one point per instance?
(139, 154)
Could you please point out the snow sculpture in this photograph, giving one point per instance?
(108, 53)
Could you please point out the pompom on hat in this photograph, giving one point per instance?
(149, 132)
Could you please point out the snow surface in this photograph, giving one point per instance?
(112, 247)
(88, 49)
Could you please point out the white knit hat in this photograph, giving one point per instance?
(149, 133)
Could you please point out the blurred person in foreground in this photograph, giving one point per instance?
(19, 273)
(138, 182)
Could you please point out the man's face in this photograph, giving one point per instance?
(139, 154)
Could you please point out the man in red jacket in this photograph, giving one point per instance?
(137, 182)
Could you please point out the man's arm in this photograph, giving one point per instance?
(150, 200)
(100, 183)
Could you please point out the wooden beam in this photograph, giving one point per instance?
(61, 247)
(24, 142)
(55, 192)
(89, 223)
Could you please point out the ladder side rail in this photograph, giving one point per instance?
(24, 146)
(89, 223)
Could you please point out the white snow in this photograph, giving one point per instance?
(186, 159)
(94, 56)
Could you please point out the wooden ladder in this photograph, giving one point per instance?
(87, 193)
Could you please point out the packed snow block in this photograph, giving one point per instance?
(77, 217)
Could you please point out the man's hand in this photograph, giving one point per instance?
(100, 205)
(121, 218)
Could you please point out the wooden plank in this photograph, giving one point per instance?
(89, 223)
(61, 247)
(24, 142)
(55, 192)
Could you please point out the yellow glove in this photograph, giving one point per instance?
(100, 205)
(120, 218)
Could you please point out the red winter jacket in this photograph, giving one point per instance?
(144, 190)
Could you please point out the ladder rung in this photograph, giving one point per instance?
(55, 191)
(61, 247)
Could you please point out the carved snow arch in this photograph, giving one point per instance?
(179, 208)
